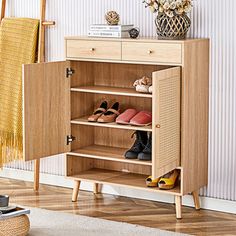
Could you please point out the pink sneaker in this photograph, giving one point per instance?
(143, 118)
(126, 116)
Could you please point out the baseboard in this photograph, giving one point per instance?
(56, 180)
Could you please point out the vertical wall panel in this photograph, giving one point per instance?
(211, 18)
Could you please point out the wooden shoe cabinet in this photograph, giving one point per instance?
(59, 96)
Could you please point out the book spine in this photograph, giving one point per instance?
(118, 28)
(98, 27)
(109, 34)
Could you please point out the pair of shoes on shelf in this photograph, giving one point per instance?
(143, 85)
(105, 115)
(142, 147)
(165, 183)
(133, 117)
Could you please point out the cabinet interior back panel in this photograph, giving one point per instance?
(211, 18)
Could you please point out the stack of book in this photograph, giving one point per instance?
(109, 31)
(11, 212)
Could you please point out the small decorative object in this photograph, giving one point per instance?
(112, 18)
(142, 85)
(134, 33)
(172, 21)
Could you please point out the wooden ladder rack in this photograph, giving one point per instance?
(41, 58)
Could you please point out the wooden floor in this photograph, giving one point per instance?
(134, 211)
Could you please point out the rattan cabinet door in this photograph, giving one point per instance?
(166, 121)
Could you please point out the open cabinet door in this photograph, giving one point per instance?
(46, 109)
(166, 121)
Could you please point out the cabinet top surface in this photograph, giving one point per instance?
(140, 39)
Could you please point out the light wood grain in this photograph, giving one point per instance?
(75, 165)
(111, 90)
(84, 104)
(46, 110)
(117, 178)
(109, 75)
(41, 42)
(124, 62)
(82, 140)
(196, 199)
(75, 190)
(194, 115)
(107, 153)
(166, 121)
(141, 39)
(97, 188)
(48, 23)
(93, 49)
(122, 209)
(93, 82)
(113, 81)
(105, 137)
(36, 174)
(41, 58)
(154, 52)
(114, 125)
(178, 206)
(126, 102)
(122, 167)
(83, 73)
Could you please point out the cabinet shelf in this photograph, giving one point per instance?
(111, 90)
(107, 153)
(119, 178)
(84, 121)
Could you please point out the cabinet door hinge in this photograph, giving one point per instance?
(69, 72)
(69, 139)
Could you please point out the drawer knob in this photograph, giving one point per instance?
(92, 49)
(149, 51)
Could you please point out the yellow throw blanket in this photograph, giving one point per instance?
(18, 45)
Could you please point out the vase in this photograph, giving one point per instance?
(175, 27)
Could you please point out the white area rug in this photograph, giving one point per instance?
(53, 223)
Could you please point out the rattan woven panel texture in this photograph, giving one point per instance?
(16, 226)
(169, 102)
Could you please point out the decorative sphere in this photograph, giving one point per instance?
(134, 33)
(112, 18)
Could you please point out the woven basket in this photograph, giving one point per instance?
(16, 226)
(172, 27)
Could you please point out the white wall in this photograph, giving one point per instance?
(211, 18)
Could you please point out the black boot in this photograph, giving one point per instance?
(146, 154)
(138, 146)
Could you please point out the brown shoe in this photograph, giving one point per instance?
(98, 112)
(110, 115)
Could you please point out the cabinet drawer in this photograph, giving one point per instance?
(93, 49)
(152, 52)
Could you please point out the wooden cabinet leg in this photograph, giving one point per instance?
(178, 204)
(196, 199)
(75, 191)
(36, 174)
(96, 188)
